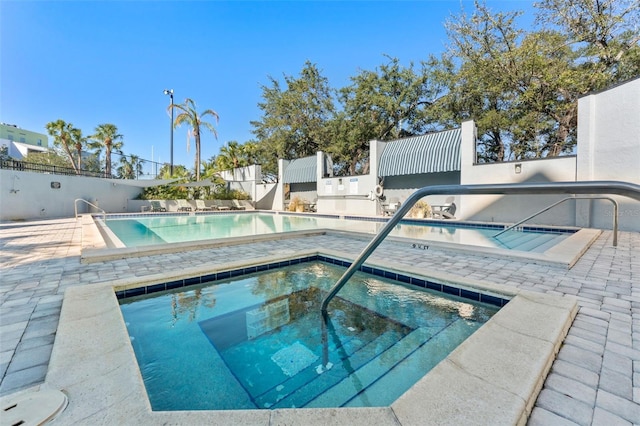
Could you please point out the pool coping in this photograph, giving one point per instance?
(94, 364)
(97, 239)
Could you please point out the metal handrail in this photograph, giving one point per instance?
(593, 187)
(75, 205)
(615, 215)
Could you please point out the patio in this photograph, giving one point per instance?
(594, 380)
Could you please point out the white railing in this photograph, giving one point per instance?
(75, 207)
(615, 215)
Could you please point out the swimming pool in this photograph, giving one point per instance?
(256, 341)
(145, 230)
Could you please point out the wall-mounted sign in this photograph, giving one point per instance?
(353, 186)
(55, 185)
(328, 187)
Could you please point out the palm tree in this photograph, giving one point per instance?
(232, 156)
(131, 168)
(106, 135)
(79, 142)
(61, 133)
(137, 164)
(190, 116)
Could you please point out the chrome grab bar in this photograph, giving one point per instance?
(75, 205)
(615, 215)
(592, 187)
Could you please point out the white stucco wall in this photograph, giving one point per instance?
(609, 149)
(511, 208)
(28, 195)
(349, 195)
(265, 195)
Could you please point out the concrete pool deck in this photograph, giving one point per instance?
(595, 378)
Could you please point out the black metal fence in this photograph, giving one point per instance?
(23, 166)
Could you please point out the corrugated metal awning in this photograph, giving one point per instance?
(301, 170)
(432, 153)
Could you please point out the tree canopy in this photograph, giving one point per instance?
(520, 86)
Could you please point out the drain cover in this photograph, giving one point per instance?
(34, 408)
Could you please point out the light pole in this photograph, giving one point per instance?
(170, 93)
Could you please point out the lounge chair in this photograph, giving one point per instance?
(391, 208)
(156, 207)
(445, 211)
(237, 206)
(184, 206)
(200, 205)
(311, 207)
(218, 205)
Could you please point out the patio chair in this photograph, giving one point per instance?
(218, 205)
(156, 207)
(184, 206)
(200, 205)
(445, 211)
(312, 207)
(391, 208)
(236, 205)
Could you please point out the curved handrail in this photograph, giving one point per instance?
(615, 215)
(75, 206)
(593, 187)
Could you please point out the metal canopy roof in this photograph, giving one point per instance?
(301, 170)
(432, 153)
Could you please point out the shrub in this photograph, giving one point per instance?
(421, 209)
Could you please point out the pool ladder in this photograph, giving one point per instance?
(591, 187)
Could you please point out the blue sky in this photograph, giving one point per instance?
(94, 62)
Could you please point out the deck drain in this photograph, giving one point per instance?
(33, 408)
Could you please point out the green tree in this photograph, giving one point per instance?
(106, 136)
(63, 139)
(4, 153)
(387, 103)
(190, 116)
(522, 87)
(251, 151)
(130, 168)
(79, 143)
(169, 192)
(295, 119)
(604, 32)
(210, 171)
(474, 67)
(232, 155)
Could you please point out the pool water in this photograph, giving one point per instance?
(259, 341)
(160, 229)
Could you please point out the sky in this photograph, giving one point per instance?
(93, 62)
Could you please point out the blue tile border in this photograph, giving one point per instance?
(402, 278)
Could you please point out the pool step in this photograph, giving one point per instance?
(317, 383)
(252, 359)
(291, 384)
(527, 241)
(371, 376)
(402, 376)
(534, 244)
(552, 242)
(369, 372)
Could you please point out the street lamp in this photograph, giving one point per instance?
(170, 93)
